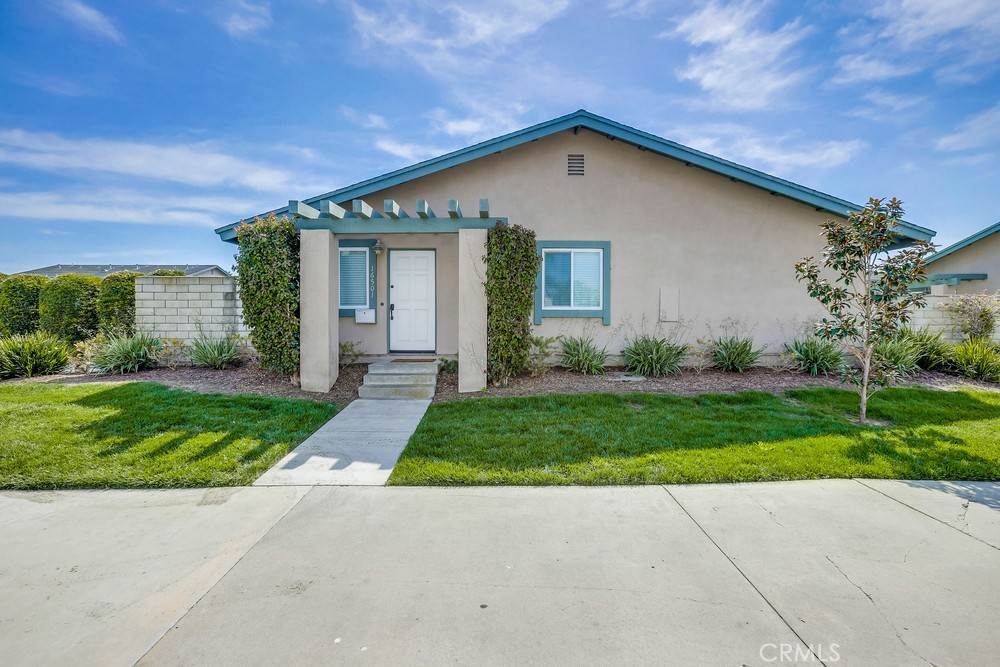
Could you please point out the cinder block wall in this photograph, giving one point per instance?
(185, 307)
(936, 318)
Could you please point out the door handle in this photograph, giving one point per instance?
(392, 307)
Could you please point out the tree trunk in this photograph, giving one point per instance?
(865, 372)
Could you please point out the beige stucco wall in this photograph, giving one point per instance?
(728, 248)
(983, 256)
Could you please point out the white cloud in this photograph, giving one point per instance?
(89, 20)
(981, 130)
(783, 153)
(956, 39)
(887, 106)
(124, 206)
(742, 65)
(453, 38)
(246, 18)
(366, 120)
(411, 152)
(199, 164)
(863, 67)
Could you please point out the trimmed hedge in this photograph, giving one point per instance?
(19, 304)
(512, 262)
(67, 306)
(267, 265)
(167, 272)
(116, 303)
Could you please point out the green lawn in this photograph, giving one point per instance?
(143, 435)
(654, 438)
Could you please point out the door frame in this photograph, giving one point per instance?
(388, 300)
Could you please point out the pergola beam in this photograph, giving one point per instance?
(394, 210)
(454, 210)
(299, 210)
(364, 211)
(329, 209)
(424, 210)
(484, 208)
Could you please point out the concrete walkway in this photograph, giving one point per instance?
(834, 572)
(358, 447)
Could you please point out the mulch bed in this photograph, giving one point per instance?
(249, 378)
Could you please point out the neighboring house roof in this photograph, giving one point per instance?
(964, 243)
(101, 270)
(583, 119)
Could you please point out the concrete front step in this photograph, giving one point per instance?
(396, 391)
(403, 368)
(400, 379)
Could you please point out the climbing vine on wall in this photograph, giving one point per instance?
(511, 270)
(267, 266)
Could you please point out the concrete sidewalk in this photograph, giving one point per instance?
(358, 447)
(844, 572)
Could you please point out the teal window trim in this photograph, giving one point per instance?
(605, 311)
(345, 244)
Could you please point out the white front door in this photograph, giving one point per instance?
(412, 323)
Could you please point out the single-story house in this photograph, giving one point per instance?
(634, 232)
(102, 270)
(969, 266)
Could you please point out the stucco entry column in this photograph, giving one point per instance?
(471, 310)
(319, 300)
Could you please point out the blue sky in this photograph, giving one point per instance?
(129, 130)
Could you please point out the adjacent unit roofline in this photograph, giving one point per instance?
(955, 247)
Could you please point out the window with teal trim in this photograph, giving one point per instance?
(574, 280)
(357, 275)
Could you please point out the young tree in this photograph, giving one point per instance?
(870, 298)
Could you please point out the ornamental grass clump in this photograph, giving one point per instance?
(977, 358)
(581, 355)
(215, 353)
(32, 354)
(899, 356)
(123, 353)
(814, 355)
(649, 355)
(933, 351)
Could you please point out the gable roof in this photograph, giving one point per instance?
(955, 247)
(102, 270)
(583, 119)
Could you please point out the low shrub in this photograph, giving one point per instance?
(580, 354)
(933, 350)
(217, 353)
(67, 306)
(350, 352)
(974, 315)
(649, 355)
(85, 351)
(814, 355)
(168, 272)
(32, 354)
(977, 358)
(19, 304)
(127, 354)
(543, 348)
(172, 353)
(899, 355)
(448, 366)
(735, 353)
(116, 303)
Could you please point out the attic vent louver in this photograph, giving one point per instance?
(574, 164)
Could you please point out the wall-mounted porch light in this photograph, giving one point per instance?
(379, 247)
